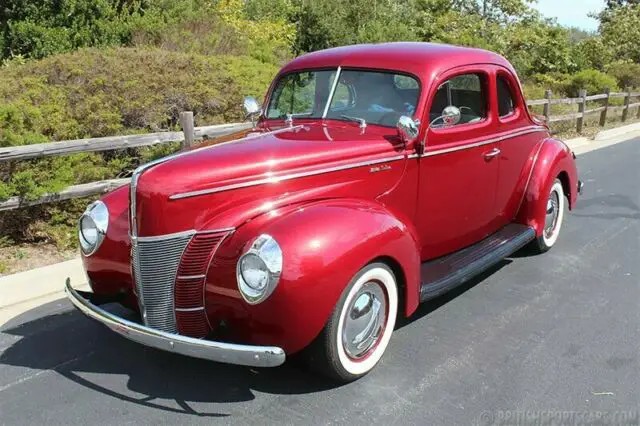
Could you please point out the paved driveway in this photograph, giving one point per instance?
(533, 337)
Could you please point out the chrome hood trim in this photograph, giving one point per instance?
(276, 179)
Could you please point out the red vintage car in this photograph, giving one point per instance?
(375, 177)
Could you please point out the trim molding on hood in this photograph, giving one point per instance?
(275, 179)
(133, 226)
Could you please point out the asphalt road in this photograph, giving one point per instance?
(537, 336)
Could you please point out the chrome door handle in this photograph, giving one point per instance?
(493, 153)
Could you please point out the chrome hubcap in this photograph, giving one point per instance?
(365, 320)
(551, 218)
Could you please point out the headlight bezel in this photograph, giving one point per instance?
(98, 213)
(267, 249)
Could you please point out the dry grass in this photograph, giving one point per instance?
(23, 257)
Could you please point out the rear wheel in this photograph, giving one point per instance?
(358, 331)
(554, 214)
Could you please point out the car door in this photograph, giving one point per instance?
(459, 168)
(518, 139)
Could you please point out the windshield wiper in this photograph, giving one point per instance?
(361, 121)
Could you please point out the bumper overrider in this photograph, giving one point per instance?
(255, 356)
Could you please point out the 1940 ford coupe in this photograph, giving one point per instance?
(375, 177)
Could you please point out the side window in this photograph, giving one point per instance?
(506, 105)
(467, 92)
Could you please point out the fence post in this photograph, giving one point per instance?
(546, 109)
(186, 121)
(581, 107)
(603, 114)
(627, 101)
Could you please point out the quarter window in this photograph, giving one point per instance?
(466, 92)
(506, 105)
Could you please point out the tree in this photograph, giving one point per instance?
(615, 3)
(621, 32)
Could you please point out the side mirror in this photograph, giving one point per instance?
(251, 108)
(408, 128)
(451, 116)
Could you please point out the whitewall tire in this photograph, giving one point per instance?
(554, 214)
(360, 327)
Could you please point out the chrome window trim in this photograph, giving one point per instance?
(333, 90)
(511, 135)
(291, 176)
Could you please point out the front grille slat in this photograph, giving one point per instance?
(155, 264)
(189, 292)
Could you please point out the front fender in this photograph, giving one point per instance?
(554, 160)
(324, 243)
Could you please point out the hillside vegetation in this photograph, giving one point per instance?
(88, 68)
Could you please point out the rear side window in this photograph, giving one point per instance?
(467, 92)
(506, 105)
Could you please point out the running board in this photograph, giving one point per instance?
(443, 274)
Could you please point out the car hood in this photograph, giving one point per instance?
(227, 183)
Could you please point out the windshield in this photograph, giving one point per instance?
(377, 97)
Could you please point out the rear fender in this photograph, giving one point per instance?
(554, 160)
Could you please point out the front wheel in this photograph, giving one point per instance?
(554, 214)
(358, 331)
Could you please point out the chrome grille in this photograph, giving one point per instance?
(155, 264)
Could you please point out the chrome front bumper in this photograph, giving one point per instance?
(255, 356)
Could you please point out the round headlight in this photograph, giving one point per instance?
(254, 272)
(258, 270)
(93, 227)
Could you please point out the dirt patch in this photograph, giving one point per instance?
(23, 257)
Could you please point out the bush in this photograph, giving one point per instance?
(554, 81)
(593, 81)
(92, 93)
(39, 28)
(627, 74)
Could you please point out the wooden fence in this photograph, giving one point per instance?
(186, 137)
(581, 101)
(190, 134)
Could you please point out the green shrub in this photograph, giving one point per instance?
(627, 74)
(40, 28)
(554, 81)
(92, 93)
(593, 81)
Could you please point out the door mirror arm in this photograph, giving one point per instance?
(408, 129)
(252, 109)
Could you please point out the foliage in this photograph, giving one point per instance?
(328, 23)
(593, 81)
(38, 28)
(627, 74)
(92, 93)
(621, 32)
(554, 81)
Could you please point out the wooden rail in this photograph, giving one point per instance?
(190, 134)
(75, 191)
(25, 152)
(186, 137)
(582, 112)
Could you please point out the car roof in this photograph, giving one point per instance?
(411, 57)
